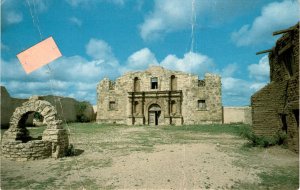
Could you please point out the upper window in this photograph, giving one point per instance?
(136, 84)
(112, 105)
(112, 85)
(173, 83)
(201, 82)
(154, 83)
(201, 105)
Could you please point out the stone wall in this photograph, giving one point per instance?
(275, 108)
(132, 95)
(32, 150)
(237, 115)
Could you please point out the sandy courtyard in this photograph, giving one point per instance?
(142, 158)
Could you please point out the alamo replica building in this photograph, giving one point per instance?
(158, 96)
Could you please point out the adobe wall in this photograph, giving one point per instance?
(267, 104)
(8, 106)
(275, 108)
(237, 115)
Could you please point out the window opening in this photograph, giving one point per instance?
(201, 104)
(154, 83)
(288, 60)
(173, 83)
(112, 105)
(201, 83)
(136, 84)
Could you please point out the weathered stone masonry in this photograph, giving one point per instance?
(17, 143)
(158, 96)
(276, 106)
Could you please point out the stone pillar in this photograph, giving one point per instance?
(59, 139)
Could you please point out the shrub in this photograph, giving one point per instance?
(80, 108)
(37, 116)
(263, 141)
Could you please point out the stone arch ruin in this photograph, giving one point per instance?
(17, 144)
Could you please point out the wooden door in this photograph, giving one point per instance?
(151, 118)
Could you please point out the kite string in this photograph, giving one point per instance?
(193, 25)
(64, 120)
(36, 24)
(33, 18)
(37, 19)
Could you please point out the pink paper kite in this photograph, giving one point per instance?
(39, 55)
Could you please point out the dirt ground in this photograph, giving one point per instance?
(122, 159)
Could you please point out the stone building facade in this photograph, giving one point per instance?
(275, 108)
(158, 96)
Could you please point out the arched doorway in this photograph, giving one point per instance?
(154, 114)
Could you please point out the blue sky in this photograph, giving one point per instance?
(105, 38)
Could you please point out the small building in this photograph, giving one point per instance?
(158, 96)
(275, 108)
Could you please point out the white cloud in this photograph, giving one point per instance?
(274, 16)
(170, 16)
(80, 3)
(166, 17)
(11, 10)
(140, 60)
(229, 70)
(76, 21)
(71, 76)
(236, 91)
(260, 71)
(191, 62)
(99, 49)
(257, 85)
(39, 6)
(12, 17)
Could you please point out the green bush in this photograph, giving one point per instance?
(37, 116)
(262, 141)
(80, 108)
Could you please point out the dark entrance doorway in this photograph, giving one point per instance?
(154, 114)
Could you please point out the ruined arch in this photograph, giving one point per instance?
(54, 140)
